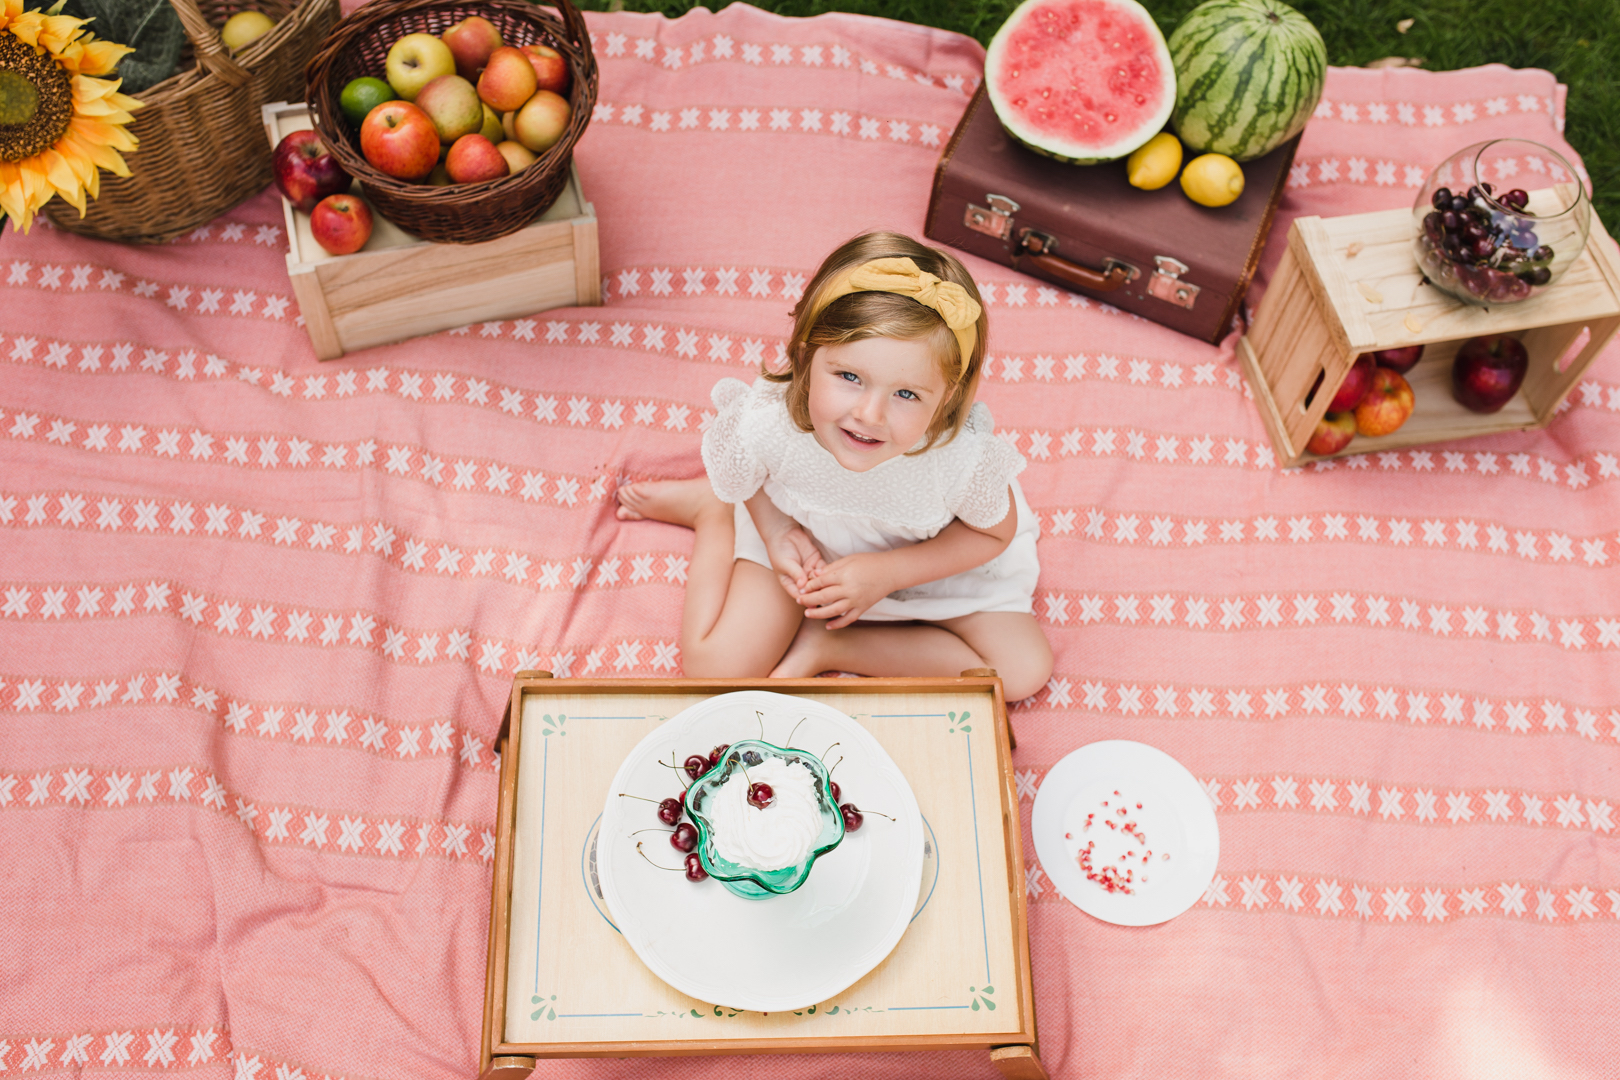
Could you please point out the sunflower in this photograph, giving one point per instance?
(58, 122)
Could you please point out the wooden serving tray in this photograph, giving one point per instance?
(562, 982)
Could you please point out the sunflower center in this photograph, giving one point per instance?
(36, 100)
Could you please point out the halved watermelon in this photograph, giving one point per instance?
(1080, 80)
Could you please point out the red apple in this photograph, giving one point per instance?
(1333, 433)
(1401, 360)
(1357, 381)
(551, 69)
(400, 140)
(1387, 404)
(305, 171)
(1488, 371)
(473, 158)
(541, 121)
(471, 41)
(508, 80)
(341, 223)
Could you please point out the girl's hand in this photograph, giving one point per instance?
(842, 591)
(795, 558)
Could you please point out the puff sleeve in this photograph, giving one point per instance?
(981, 496)
(735, 471)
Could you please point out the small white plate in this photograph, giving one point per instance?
(1171, 816)
(785, 952)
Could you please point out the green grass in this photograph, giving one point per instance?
(1577, 40)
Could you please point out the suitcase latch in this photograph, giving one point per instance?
(1166, 283)
(996, 220)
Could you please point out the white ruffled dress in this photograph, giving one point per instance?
(753, 442)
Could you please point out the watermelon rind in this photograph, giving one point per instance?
(1132, 135)
(1249, 74)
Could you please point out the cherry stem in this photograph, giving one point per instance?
(835, 764)
(827, 751)
(685, 784)
(879, 813)
(644, 855)
(643, 798)
(795, 730)
(651, 828)
(761, 718)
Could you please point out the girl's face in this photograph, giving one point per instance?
(873, 399)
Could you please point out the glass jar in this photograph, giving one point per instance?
(1500, 221)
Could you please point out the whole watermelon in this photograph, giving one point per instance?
(1248, 76)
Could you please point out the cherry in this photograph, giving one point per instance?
(717, 753)
(1441, 199)
(760, 795)
(1518, 198)
(694, 868)
(669, 811)
(852, 817)
(834, 785)
(685, 837)
(696, 766)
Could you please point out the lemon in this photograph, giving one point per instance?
(1154, 163)
(244, 27)
(1212, 180)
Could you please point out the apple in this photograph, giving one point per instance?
(1401, 360)
(244, 28)
(416, 60)
(474, 158)
(305, 171)
(1357, 381)
(518, 157)
(541, 121)
(508, 80)
(1333, 433)
(551, 69)
(400, 140)
(471, 41)
(506, 125)
(439, 177)
(452, 104)
(1387, 405)
(1488, 371)
(492, 129)
(341, 223)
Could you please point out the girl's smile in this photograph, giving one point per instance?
(872, 399)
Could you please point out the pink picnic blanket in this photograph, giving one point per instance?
(259, 614)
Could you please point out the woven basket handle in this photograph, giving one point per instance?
(212, 56)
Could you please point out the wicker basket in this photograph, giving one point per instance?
(460, 213)
(202, 147)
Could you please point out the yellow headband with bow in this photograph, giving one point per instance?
(902, 276)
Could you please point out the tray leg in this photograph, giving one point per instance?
(518, 1068)
(1018, 1063)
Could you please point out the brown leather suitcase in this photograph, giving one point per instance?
(1156, 254)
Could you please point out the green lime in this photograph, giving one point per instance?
(362, 95)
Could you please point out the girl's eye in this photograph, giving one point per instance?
(849, 376)
(908, 395)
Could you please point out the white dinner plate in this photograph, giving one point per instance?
(784, 952)
(1171, 818)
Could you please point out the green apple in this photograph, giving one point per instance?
(416, 60)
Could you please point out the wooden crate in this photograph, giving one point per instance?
(401, 287)
(1350, 285)
(549, 929)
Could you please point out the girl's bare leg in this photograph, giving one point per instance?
(1010, 642)
(737, 620)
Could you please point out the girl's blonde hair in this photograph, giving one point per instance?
(880, 314)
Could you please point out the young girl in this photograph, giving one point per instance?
(859, 514)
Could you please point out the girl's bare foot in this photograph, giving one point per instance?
(678, 502)
(805, 657)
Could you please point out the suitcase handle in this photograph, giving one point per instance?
(1038, 247)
